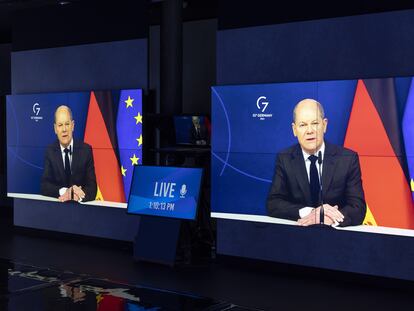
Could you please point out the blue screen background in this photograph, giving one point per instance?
(27, 138)
(244, 148)
(142, 191)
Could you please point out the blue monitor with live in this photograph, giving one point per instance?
(165, 191)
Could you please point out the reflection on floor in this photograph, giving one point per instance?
(24, 287)
(251, 283)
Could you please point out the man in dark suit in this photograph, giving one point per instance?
(294, 193)
(69, 171)
(198, 132)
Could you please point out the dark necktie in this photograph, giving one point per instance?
(314, 181)
(67, 166)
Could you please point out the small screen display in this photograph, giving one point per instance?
(192, 130)
(165, 191)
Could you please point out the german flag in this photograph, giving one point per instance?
(110, 303)
(100, 133)
(374, 132)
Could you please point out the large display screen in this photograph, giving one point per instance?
(372, 118)
(104, 129)
(165, 191)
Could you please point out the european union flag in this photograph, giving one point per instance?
(129, 131)
(408, 131)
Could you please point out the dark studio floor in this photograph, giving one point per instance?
(52, 271)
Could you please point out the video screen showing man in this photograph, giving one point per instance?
(69, 171)
(198, 132)
(295, 190)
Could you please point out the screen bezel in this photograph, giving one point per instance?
(200, 188)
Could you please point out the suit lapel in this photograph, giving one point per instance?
(300, 173)
(75, 155)
(59, 161)
(328, 167)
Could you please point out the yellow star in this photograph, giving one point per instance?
(129, 101)
(139, 140)
(134, 160)
(138, 118)
(123, 171)
(99, 298)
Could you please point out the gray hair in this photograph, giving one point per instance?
(64, 107)
(320, 108)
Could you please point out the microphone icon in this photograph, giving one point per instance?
(183, 190)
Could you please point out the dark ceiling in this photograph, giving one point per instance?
(192, 10)
(251, 11)
(9, 7)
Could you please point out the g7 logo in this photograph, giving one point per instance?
(262, 101)
(36, 109)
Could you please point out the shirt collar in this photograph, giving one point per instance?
(321, 149)
(62, 149)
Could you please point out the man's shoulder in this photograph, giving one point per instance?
(330, 150)
(53, 146)
(338, 150)
(289, 152)
(294, 149)
(81, 145)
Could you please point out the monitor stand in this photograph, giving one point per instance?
(156, 240)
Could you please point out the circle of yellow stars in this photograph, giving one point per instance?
(138, 118)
